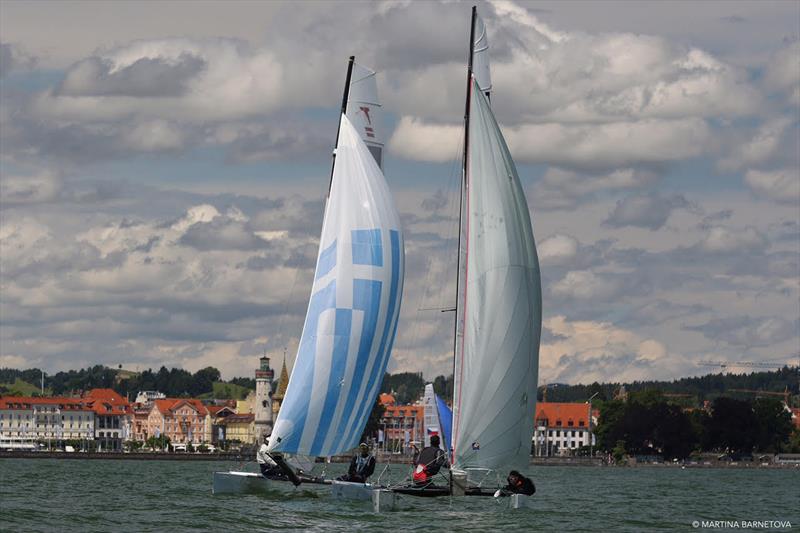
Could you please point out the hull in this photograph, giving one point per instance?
(250, 482)
(382, 499)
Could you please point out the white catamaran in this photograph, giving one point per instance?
(355, 299)
(498, 306)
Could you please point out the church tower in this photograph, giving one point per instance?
(263, 405)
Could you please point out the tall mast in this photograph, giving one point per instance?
(463, 181)
(344, 110)
(461, 215)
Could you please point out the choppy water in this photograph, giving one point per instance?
(112, 495)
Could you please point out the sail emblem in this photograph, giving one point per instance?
(368, 129)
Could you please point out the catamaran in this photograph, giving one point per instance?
(498, 305)
(354, 305)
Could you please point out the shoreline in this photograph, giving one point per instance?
(238, 457)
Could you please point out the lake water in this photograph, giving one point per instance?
(115, 495)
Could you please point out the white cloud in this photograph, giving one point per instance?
(721, 239)
(557, 249)
(781, 185)
(584, 285)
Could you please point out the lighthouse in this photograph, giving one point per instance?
(263, 405)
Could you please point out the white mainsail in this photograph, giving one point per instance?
(352, 313)
(499, 306)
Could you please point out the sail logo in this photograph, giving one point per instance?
(368, 129)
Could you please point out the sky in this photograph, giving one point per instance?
(163, 168)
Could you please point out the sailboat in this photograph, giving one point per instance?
(498, 303)
(355, 298)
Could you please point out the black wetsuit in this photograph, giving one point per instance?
(526, 487)
(359, 475)
(431, 459)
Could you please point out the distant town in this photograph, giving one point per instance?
(731, 417)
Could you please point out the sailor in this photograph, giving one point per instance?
(517, 484)
(429, 461)
(362, 465)
(269, 468)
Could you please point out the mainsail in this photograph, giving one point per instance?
(353, 310)
(499, 309)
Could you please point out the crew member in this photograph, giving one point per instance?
(429, 461)
(518, 484)
(269, 468)
(362, 465)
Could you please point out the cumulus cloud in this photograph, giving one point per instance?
(146, 77)
(557, 249)
(43, 186)
(564, 189)
(13, 57)
(781, 185)
(749, 331)
(646, 211)
(720, 239)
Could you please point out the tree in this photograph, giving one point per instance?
(774, 424)
(374, 421)
(733, 425)
(203, 380)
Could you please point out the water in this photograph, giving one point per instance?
(113, 495)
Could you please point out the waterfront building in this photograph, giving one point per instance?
(263, 400)
(148, 396)
(562, 428)
(182, 420)
(27, 420)
(402, 425)
(241, 428)
(218, 415)
(113, 418)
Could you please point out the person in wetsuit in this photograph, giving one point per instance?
(362, 465)
(269, 468)
(518, 484)
(428, 462)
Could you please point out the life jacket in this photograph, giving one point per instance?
(420, 474)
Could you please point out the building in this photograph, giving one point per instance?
(113, 417)
(402, 425)
(27, 420)
(240, 428)
(561, 428)
(280, 390)
(263, 404)
(182, 420)
(148, 396)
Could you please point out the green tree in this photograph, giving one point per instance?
(733, 425)
(774, 424)
(373, 422)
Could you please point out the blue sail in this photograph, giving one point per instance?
(352, 313)
(445, 420)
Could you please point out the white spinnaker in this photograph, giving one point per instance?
(352, 313)
(480, 57)
(496, 372)
(364, 110)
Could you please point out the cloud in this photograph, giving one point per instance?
(721, 239)
(13, 57)
(782, 74)
(645, 211)
(781, 185)
(146, 77)
(585, 284)
(564, 189)
(748, 331)
(557, 249)
(44, 186)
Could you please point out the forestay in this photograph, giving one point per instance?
(496, 369)
(352, 314)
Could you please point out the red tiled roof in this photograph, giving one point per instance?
(27, 402)
(560, 414)
(167, 405)
(106, 401)
(386, 399)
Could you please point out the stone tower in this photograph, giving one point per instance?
(263, 406)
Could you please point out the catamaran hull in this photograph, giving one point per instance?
(382, 499)
(249, 482)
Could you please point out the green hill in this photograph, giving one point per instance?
(20, 388)
(227, 391)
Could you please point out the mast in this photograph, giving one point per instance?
(344, 110)
(461, 213)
